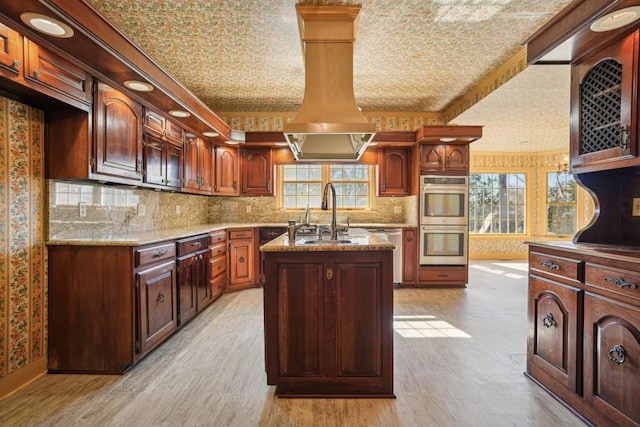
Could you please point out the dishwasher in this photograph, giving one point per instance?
(393, 235)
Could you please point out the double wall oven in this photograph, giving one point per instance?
(444, 220)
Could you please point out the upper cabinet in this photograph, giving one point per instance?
(226, 171)
(446, 148)
(256, 164)
(393, 170)
(11, 58)
(604, 113)
(117, 135)
(198, 165)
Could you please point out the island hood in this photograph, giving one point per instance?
(329, 125)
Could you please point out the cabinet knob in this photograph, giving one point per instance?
(617, 354)
(161, 297)
(548, 320)
(241, 259)
(329, 273)
(36, 74)
(16, 63)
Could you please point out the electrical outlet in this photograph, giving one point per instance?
(82, 209)
(397, 209)
(636, 207)
(248, 208)
(178, 209)
(141, 209)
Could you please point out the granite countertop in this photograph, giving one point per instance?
(155, 236)
(620, 251)
(360, 240)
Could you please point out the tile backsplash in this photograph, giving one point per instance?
(111, 209)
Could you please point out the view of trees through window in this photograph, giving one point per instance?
(497, 203)
(302, 185)
(561, 204)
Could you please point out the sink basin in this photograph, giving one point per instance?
(329, 242)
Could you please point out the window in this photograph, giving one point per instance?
(561, 204)
(497, 203)
(302, 185)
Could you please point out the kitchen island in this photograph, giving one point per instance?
(328, 316)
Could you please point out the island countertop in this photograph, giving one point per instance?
(360, 239)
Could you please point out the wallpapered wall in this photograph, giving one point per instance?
(23, 272)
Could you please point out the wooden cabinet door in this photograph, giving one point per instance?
(300, 288)
(393, 168)
(241, 259)
(409, 255)
(256, 165)
(187, 297)
(117, 135)
(51, 71)
(611, 356)
(456, 157)
(554, 346)
(174, 166)
(192, 163)
(604, 97)
(204, 290)
(154, 160)
(158, 316)
(431, 157)
(11, 58)
(226, 171)
(206, 167)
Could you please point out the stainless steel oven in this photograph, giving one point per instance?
(444, 200)
(443, 245)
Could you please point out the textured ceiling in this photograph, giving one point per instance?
(410, 55)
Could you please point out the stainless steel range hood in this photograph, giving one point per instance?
(329, 125)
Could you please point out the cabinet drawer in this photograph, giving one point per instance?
(555, 266)
(218, 249)
(155, 254)
(617, 281)
(192, 244)
(174, 133)
(219, 283)
(154, 122)
(218, 265)
(445, 274)
(240, 234)
(218, 236)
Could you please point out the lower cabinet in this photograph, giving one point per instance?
(584, 330)
(328, 323)
(410, 256)
(195, 292)
(109, 305)
(242, 259)
(218, 262)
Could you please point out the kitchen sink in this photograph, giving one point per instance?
(330, 242)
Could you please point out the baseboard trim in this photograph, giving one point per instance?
(19, 378)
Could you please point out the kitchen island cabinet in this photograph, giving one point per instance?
(328, 318)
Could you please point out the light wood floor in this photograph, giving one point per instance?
(212, 372)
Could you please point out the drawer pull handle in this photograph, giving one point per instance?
(329, 273)
(158, 254)
(161, 297)
(620, 282)
(617, 354)
(548, 320)
(550, 265)
(196, 244)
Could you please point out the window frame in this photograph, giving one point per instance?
(580, 209)
(529, 194)
(325, 177)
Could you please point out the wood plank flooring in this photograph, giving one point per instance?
(459, 361)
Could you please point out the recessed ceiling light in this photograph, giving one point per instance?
(232, 142)
(372, 144)
(281, 144)
(47, 25)
(210, 134)
(138, 86)
(616, 19)
(179, 113)
(447, 139)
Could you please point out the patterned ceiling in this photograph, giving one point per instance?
(410, 55)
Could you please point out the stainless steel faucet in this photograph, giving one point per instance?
(334, 221)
